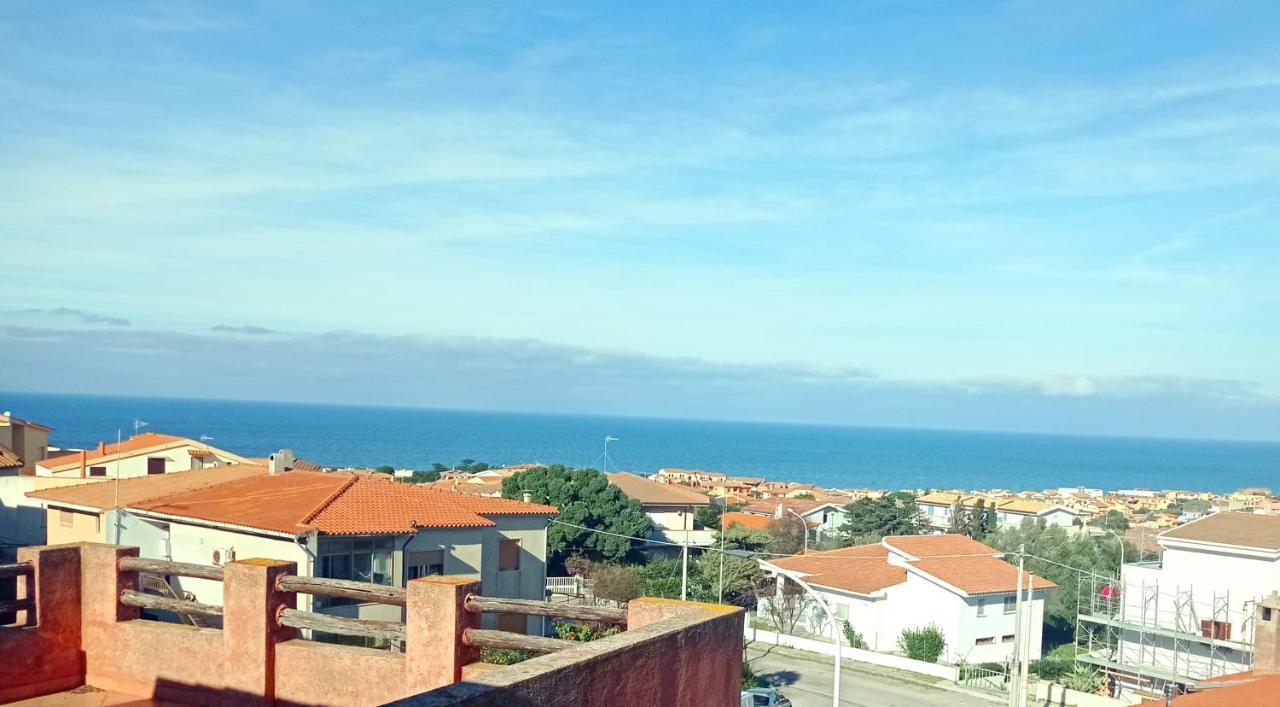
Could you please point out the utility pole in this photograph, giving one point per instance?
(1015, 668)
(1026, 643)
(684, 554)
(721, 599)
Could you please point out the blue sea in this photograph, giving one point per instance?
(824, 455)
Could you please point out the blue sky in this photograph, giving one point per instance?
(999, 215)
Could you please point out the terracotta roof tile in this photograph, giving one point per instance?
(800, 505)
(646, 491)
(862, 568)
(134, 445)
(336, 503)
(1239, 690)
(1242, 529)
(750, 521)
(979, 575)
(934, 545)
(9, 458)
(101, 493)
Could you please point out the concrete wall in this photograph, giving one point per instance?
(673, 653)
(68, 526)
(22, 519)
(946, 672)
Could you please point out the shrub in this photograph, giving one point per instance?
(505, 656)
(583, 632)
(1082, 678)
(1050, 667)
(854, 638)
(926, 644)
(749, 678)
(617, 583)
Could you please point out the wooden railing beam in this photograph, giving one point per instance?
(387, 630)
(343, 588)
(130, 597)
(497, 605)
(483, 638)
(168, 567)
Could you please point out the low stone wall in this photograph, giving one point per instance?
(886, 660)
(1049, 693)
(673, 654)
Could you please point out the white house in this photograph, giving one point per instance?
(1190, 616)
(140, 455)
(346, 526)
(951, 581)
(672, 508)
(824, 518)
(938, 507)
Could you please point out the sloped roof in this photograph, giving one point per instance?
(961, 562)
(800, 505)
(863, 569)
(102, 493)
(13, 420)
(976, 576)
(652, 492)
(336, 503)
(9, 458)
(1247, 689)
(935, 545)
(1227, 528)
(744, 520)
(137, 444)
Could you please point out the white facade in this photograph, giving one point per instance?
(978, 629)
(938, 516)
(1186, 618)
(177, 457)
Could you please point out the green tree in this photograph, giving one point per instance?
(709, 516)
(587, 503)
(1114, 520)
(740, 538)
(385, 469)
(803, 496)
(422, 477)
(871, 519)
(616, 583)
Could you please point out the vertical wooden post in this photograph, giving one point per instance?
(435, 619)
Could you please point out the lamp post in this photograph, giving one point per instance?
(831, 616)
(1121, 541)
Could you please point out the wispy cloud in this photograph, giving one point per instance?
(81, 315)
(242, 329)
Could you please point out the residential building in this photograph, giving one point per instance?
(346, 526)
(1189, 617)
(143, 454)
(671, 507)
(696, 478)
(939, 506)
(23, 443)
(951, 581)
(824, 518)
(748, 521)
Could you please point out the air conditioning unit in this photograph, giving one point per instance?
(223, 555)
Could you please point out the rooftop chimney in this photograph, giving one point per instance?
(280, 461)
(527, 496)
(777, 512)
(1266, 636)
(102, 447)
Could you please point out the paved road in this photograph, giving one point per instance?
(807, 683)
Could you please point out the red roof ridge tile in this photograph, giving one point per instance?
(337, 493)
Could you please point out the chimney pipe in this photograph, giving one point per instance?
(84, 459)
(102, 447)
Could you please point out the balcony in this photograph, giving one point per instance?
(78, 621)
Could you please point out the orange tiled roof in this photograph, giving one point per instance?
(979, 575)
(102, 493)
(647, 491)
(934, 545)
(9, 458)
(136, 443)
(338, 503)
(1239, 690)
(750, 521)
(862, 568)
(799, 505)
(1227, 528)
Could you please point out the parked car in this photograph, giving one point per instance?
(764, 697)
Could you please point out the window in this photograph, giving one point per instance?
(424, 564)
(358, 560)
(1010, 604)
(155, 465)
(1266, 613)
(1007, 638)
(66, 519)
(985, 641)
(982, 608)
(508, 555)
(1217, 630)
(97, 471)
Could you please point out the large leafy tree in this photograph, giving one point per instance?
(586, 500)
(870, 519)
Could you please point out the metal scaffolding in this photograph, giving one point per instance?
(1146, 637)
